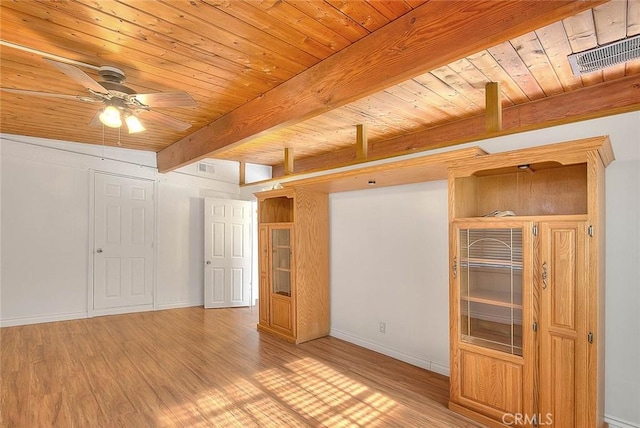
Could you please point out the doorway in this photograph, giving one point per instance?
(123, 244)
(227, 253)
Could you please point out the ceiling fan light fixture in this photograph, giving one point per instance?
(110, 117)
(133, 124)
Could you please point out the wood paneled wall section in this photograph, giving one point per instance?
(312, 264)
(276, 210)
(533, 193)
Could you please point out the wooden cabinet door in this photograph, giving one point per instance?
(492, 316)
(281, 314)
(564, 283)
(281, 279)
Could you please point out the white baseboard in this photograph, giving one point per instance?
(619, 423)
(398, 355)
(440, 369)
(122, 310)
(12, 322)
(178, 305)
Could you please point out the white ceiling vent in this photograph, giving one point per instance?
(604, 56)
(206, 168)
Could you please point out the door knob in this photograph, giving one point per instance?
(99, 250)
(208, 262)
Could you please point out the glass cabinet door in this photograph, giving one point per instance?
(281, 261)
(491, 288)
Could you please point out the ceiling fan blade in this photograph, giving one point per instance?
(79, 76)
(166, 99)
(163, 119)
(51, 95)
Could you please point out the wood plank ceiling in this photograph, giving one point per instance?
(231, 54)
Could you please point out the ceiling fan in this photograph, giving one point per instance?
(119, 100)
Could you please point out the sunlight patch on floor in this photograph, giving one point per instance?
(299, 393)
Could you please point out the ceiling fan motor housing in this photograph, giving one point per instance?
(111, 74)
(113, 79)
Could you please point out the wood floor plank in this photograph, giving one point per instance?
(193, 367)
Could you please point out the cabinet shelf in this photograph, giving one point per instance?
(282, 293)
(563, 188)
(491, 263)
(494, 298)
(492, 344)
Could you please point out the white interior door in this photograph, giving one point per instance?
(123, 242)
(227, 253)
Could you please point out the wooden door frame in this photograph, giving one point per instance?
(91, 240)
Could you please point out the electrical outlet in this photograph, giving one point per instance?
(382, 327)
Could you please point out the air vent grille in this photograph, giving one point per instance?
(206, 168)
(605, 56)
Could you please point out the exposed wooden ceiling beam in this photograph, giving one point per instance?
(618, 96)
(428, 37)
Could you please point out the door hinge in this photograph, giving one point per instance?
(590, 231)
(590, 337)
(535, 326)
(535, 230)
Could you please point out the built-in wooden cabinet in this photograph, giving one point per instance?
(293, 248)
(527, 285)
(526, 281)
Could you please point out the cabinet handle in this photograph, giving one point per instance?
(455, 267)
(544, 275)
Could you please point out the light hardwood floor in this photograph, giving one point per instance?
(197, 368)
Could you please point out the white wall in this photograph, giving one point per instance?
(45, 226)
(622, 359)
(389, 264)
(44, 240)
(181, 243)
